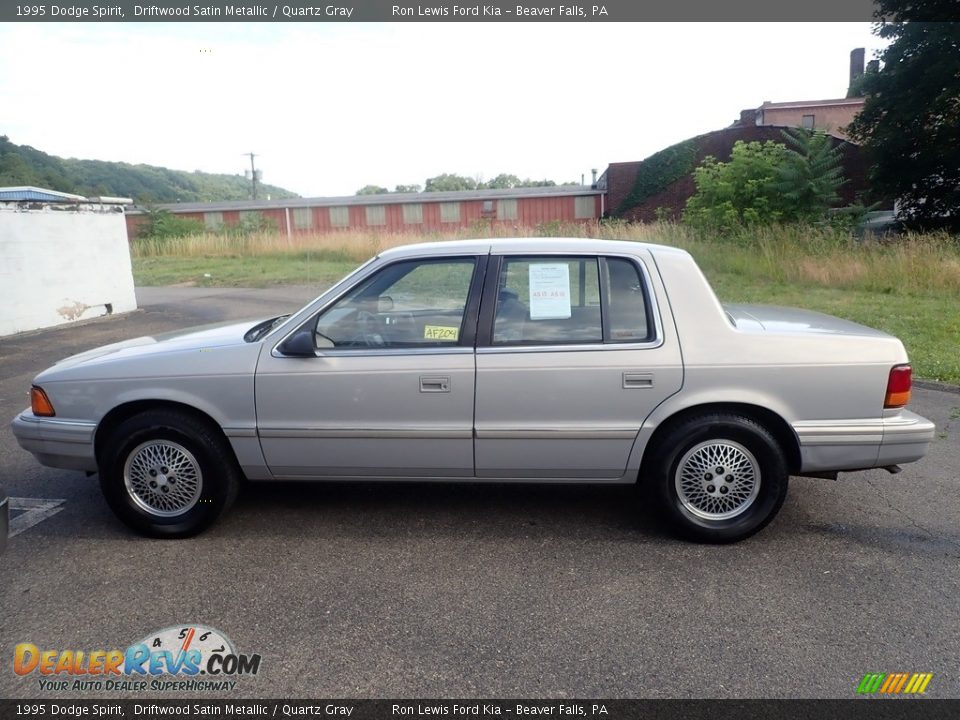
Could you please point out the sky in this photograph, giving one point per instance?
(329, 108)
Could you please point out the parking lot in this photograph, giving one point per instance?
(420, 590)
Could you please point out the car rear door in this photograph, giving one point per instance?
(571, 358)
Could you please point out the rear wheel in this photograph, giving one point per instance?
(719, 477)
(167, 473)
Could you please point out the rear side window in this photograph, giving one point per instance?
(627, 302)
(556, 300)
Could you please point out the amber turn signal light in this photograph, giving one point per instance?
(899, 383)
(40, 403)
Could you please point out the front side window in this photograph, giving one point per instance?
(418, 303)
(554, 300)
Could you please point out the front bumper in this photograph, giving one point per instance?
(56, 442)
(829, 445)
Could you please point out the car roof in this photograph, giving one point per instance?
(522, 245)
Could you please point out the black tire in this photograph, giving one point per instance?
(201, 462)
(704, 506)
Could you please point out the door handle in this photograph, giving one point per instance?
(632, 380)
(435, 384)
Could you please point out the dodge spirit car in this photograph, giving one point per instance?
(508, 360)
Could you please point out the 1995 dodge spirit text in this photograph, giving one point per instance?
(530, 360)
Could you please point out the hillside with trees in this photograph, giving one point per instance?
(446, 182)
(24, 165)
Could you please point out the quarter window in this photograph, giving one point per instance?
(627, 307)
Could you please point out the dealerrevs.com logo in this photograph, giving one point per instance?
(180, 658)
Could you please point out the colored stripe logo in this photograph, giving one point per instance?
(894, 683)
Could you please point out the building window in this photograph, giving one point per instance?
(584, 207)
(302, 218)
(487, 209)
(376, 215)
(450, 212)
(213, 220)
(339, 216)
(507, 210)
(413, 214)
(807, 122)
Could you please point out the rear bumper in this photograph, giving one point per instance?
(860, 444)
(56, 442)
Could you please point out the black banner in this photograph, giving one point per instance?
(442, 11)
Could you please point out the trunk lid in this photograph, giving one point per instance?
(776, 319)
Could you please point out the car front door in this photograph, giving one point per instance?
(572, 356)
(388, 388)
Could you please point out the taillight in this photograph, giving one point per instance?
(898, 386)
(40, 403)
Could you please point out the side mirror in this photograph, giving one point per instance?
(384, 304)
(300, 344)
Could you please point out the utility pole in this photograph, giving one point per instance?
(253, 173)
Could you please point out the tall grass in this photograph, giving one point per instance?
(822, 257)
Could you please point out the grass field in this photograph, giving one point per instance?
(910, 287)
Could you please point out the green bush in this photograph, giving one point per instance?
(768, 183)
(163, 224)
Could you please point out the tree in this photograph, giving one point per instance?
(809, 176)
(372, 190)
(448, 181)
(503, 181)
(910, 123)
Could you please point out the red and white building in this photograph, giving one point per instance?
(399, 212)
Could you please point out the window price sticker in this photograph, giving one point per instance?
(549, 291)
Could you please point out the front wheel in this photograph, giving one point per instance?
(167, 474)
(719, 478)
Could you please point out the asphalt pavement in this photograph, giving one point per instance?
(423, 590)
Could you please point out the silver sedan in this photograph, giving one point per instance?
(527, 360)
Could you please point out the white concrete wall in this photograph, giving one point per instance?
(62, 262)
